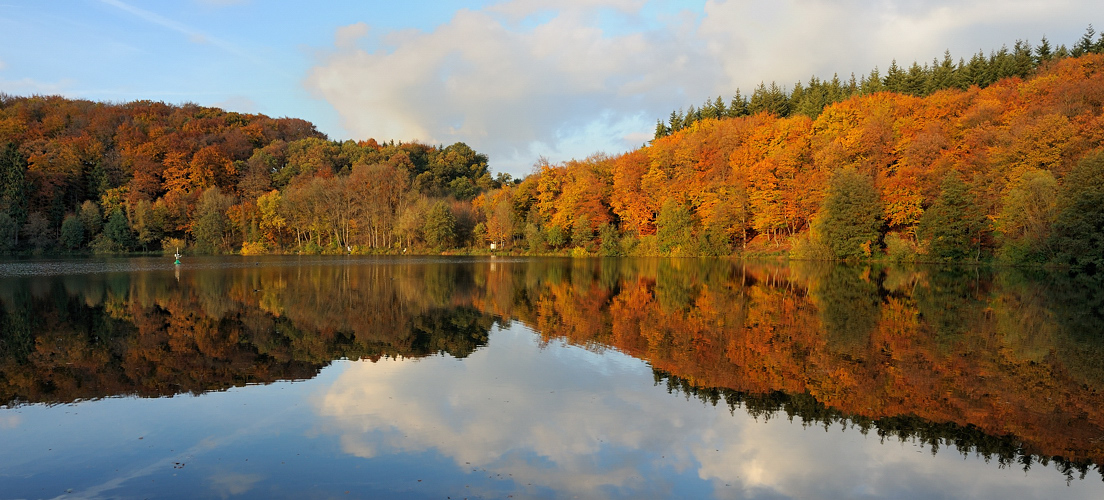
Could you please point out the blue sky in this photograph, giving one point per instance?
(518, 80)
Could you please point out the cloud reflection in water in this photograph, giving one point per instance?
(588, 424)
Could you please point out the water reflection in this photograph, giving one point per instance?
(1007, 365)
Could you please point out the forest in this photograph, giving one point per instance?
(995, 158)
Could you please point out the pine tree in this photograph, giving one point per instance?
(894, 80)
(1001, 66)
(693, 115)
(769, 99)
(675, 122)
(117, 231)
(1085, 45)
(1022, 61)
(738, 106)
(611, 244)
(707, 110)
(872, 83)
(851, 217)
(954, 226)
(943, 73)
(1043, 52)
(719, 106)
(13, 183)
(71, 236)
(661, 130)
(1079, 229)
(916, 81)
(975, 71)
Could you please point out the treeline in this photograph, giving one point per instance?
(940, 353)
(148, 335)
(1014, 170)
(78, 175)
(917, 80)
(877, 344)
(1007, 451)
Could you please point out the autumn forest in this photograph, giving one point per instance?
(995, 158)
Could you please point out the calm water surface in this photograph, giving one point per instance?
(538, 378)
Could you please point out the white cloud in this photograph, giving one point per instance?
(347, 36)
(30, 86)
(529, 75)
(238, 103)
(581, 424)
(502, 89)
(227, 484)
(10, 421)
(517, 10)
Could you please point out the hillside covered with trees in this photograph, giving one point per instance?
(1014, 169)
(80, 175)
(995, 157)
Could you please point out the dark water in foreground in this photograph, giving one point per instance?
(434, 378)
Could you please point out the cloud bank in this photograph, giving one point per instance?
(530, 78)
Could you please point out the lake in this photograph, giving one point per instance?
(433, 377)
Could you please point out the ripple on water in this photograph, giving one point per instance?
(60, 267)
(63, 267)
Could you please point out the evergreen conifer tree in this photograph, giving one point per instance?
(954, 226)
(1079, 229)
(851, 217)
(13, 183)
(1043, 52)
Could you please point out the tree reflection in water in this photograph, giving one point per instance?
(1008, 365)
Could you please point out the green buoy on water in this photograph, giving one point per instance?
(177, 255)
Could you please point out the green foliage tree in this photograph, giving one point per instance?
(9, 232)
(1029, 208)
(452, 171)
(212, 227)
(462, 188)
(738, 106)
(849, 305)
(37, 232)
(117, 235)
(582, 233)
(851, 217)
(91, 218)
(954, 226)
(771, 99)
(661, 130)
(72, 232)
(611, 242)
(556, 238)
(674, 227)
(148, 224)
(1085, 45)
(1079, 229)
(440, 227)
(13, 183)
(534, 238)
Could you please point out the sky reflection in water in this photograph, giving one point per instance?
(520, 415)
(516, 417)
